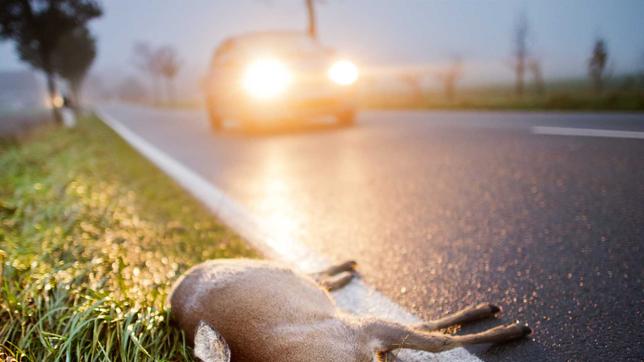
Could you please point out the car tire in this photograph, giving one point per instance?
(347, 117)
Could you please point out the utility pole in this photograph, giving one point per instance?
(312, 29)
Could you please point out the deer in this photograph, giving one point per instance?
(254, 310)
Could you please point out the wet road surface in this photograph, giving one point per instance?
(447, 209)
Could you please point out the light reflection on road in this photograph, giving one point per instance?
(446, 209)
(274, 200)
(287, 206)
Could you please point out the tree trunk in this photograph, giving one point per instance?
(312, 28)
(74, 88)
(169, 91)
(156, 92)
(449, 89)
(520, 74)
(173, 96)
(539, 83)
(51, 89)
(598, 82)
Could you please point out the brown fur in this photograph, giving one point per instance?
(268, 312)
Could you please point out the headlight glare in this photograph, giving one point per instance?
(343, 72)
(267, 78)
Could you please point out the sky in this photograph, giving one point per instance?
(378, 32)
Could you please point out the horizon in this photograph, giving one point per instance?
(389, 34)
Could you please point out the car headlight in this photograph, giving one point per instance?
(267, 78)
(343, 72)
(56, 101)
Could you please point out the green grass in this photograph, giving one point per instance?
(91, 238)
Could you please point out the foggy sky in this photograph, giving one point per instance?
(379, 32)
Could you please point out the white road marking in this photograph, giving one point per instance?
(586, 132)
(356, 297)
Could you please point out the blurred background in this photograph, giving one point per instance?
(581, 54)
(538, 209)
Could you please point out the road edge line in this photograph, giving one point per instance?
(357, 297)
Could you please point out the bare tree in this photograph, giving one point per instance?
(145, 61)
(73, 58)
(36, 27)
(168, 62)
(161, 64)
(641, 72)
(450, 76)
(131, 89)
(520, 40)
(597, 65)
(414, 80)
(534, 64)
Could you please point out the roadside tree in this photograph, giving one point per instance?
(450, 76)
(168, 67)
(534, 65)
(37, 27)
(414, 81)
(145, 60)
(73, 58)
(597, 65)
(520, 52)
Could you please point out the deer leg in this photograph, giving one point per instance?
(336, 276)
(467, 315)
(390, 336)
(337, 281)
(500, 334)
(347, 266)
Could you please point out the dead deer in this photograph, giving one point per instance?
(251, 310)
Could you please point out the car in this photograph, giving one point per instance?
(263, 78)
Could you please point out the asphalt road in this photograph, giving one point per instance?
(446, 209)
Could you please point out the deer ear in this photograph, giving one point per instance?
(210, 346)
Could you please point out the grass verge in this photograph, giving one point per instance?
(91, 238)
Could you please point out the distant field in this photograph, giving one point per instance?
(556, 101)
(625, 93)
(620, 94)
